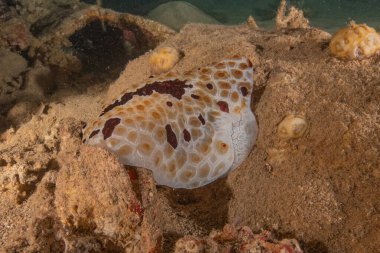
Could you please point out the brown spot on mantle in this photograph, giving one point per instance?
(244, 91)
(95, 132)
(171, 137)
(186, 135)
(223, 106)
(109, 126)
(175, 88)
(201, 119)
(194, 96)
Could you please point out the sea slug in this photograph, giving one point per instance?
(189, 129)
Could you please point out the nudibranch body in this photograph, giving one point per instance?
(189, 129)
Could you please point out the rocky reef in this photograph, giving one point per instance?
(313, 174)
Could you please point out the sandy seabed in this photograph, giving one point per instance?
(322, 189)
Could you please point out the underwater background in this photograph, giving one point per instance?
(325, 14)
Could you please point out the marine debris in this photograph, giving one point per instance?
(189, 129)
(356, 41)
(163, 59)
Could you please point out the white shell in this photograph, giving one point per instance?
(291, 127)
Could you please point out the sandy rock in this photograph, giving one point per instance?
(12, 64)
(86, 202)
(24, 163)
(34, 10)
(178, 13)
(21, 112)
(116, 213)
(15, 34)
(5, 11)
(39, 82)
(12, 67)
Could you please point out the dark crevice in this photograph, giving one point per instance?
(107, 48)
(196, 203)
(170, 238)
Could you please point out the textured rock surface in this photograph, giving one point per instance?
(86, 201)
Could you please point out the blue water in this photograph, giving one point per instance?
(325, 14)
